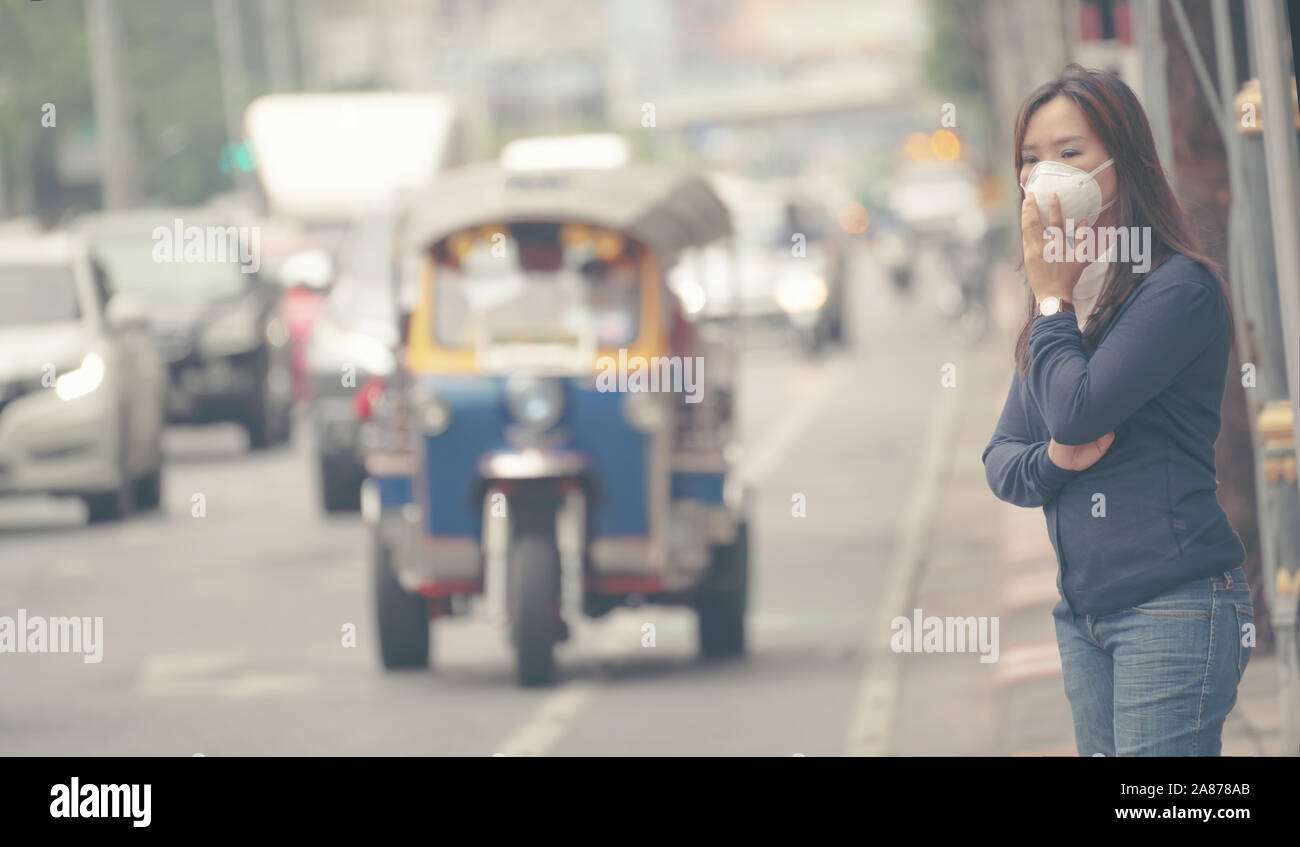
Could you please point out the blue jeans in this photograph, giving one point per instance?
(1160, 678)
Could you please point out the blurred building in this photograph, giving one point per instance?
(773, 84)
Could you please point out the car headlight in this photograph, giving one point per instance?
(83, 380)
(693, 297)
(691, 293)
(645, 411)
(534, 402)
(231, 332)
(801, 293)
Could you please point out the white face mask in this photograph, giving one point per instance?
(1079, 192)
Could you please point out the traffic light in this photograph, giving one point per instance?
(237, 157)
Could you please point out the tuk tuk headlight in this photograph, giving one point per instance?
(534, 402)
(435, 416)
(432, 412)
(801, 293)
(645, 411)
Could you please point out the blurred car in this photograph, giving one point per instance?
(218, 328)
(778, 277)
(353, 343)
(938, 198)
(81, 388)
(942, 206)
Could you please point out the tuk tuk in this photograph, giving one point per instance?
(557, 438)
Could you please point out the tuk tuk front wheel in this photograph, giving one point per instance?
(534, 590)
(402, 617)
(723, 599)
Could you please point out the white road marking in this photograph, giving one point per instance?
(183, 673)
(550, 721)
(213, 674)
(189, 664)
(877, 695)
(557, 711)
(250, 685)
(801, 411)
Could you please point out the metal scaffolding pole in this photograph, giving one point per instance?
(1270, 45)
(1155, 85)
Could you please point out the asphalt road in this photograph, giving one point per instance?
(223, 634)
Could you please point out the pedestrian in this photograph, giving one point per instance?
(1110, 423)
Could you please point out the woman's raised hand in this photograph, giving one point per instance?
(1056, 277)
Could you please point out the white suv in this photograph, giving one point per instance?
(81, 389)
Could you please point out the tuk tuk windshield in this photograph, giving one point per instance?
(501, 284)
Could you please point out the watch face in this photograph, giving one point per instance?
(1049, 306)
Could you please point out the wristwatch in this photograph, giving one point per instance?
(1052, 305)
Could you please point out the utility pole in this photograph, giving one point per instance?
(1270, 49)
(302, 14)
(234, 80)
(4, 192)
(119, 174)
(277, 45)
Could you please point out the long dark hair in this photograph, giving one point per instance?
(1143, 195)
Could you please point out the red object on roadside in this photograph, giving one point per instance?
(363, 402)
(302, 308)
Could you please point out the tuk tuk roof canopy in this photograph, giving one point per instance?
(666, 209)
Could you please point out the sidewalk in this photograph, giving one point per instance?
(1255, 726)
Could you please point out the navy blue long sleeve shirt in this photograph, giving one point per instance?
(1145, 518)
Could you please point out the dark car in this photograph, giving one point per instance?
(352, 344)
(215, 322)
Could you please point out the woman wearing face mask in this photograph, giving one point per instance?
(1110, 425)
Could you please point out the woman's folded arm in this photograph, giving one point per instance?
(1018, 468)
